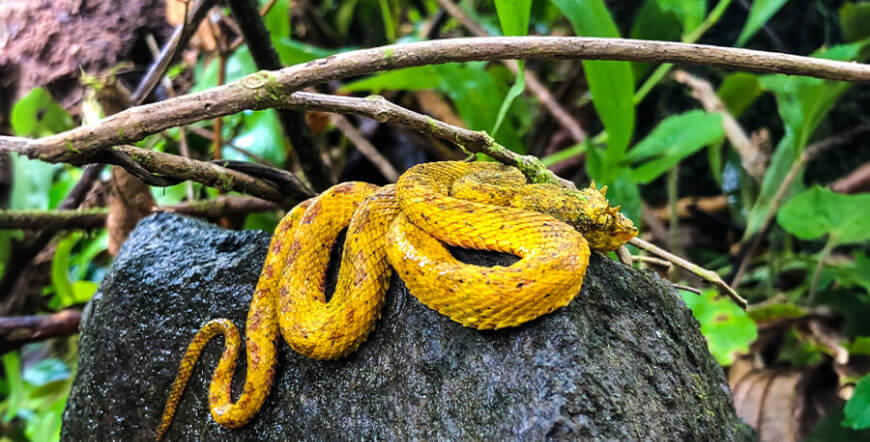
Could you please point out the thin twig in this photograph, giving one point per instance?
(16, 331)
(95, 218)
(687, 288)
(707, 275)
(751, 157)
(307, 147)
(10, 282)
(562, 116)
(179, 38)
(365, 147)
(809, 154)
(655, 261)
(857, 181)
(264, 89)
(383, 111)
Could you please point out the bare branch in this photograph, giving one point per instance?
(307, 147)
(532, 83)
(751, 157)
(383, 111)
(365, 147)
(267, 89)
(708, 275)
(19, 330)
(95, 218)
(179, 37)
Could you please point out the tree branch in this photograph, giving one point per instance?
(383, 111)
(267, 89)
(562, 116)
(95, 218)
(16, 331)
(307, 147)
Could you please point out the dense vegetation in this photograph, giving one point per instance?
(757, 177)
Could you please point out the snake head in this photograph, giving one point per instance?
(603, 226)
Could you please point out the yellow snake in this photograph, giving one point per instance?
(483, 206)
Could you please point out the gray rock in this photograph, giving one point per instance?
(624, 361)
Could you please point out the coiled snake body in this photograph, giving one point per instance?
(484, 206)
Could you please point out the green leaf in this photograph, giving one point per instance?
(738, 91)
(860, 346)
(819, 212)
(476, 93)
(277, 21)
(690, 13)
(859, 275)
(93, 246)
(515, 91)
(803, 103)
(855, 21)
(759, 13)
(675, 138)
(611, 83)
(12, 370)
(728, 329)
(409, 79)
(37, 115)
(261, 135)
(64, 295)
(514, 16)
(624, 191)
(857, 411)
(293, 52)
(83, 291)
(31, 183)
(777, 311)
(653, 23)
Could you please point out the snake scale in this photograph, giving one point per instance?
(483, 206)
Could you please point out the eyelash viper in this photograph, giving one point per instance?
(484, 206)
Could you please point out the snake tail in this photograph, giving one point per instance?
(261, 331)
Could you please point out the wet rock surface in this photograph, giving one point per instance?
(624, 361)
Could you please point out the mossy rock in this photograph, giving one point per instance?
(624, 361)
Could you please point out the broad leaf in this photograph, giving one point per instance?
(738, 91)
(819, 212)
(624, 191)
(277, 21)
(37, 115)
(31, 183)
(857, 411)
(803, 103)
(857, 275)
(293, 52)
(611, 83)
(514, 16)
(261, 135)
(653, 23)
(690, 13)
(759, 13)
(408, 79)
(675, 138)
(728, 329)
(855, 21)
(477, 93)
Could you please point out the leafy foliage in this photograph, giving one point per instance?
(642, 126)
(728, 329)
